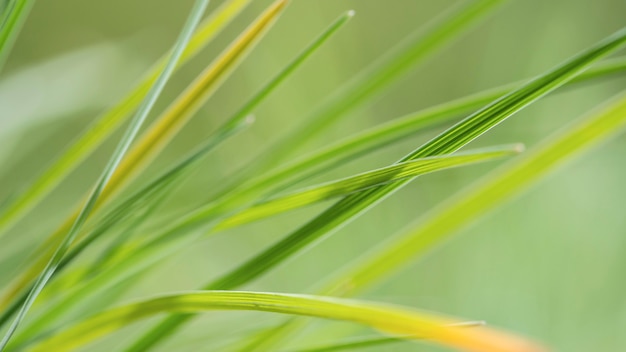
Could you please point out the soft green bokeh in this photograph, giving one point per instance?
(548, 265)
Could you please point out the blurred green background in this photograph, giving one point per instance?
(549, 265)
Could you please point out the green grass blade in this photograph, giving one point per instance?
(364, 142)
(231, 125)
(496, 188)
(449, 141)
(387, 318)
(107, 123)
(158, 135)
(13, 19)
(361, 182)
(116, 158)
(372, 81)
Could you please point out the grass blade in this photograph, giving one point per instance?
(13, 17)
(116, 158)
(496, 188)
(447, 142)
(108, 122)
(387, 318)
(159, 134)
(372, 81)
(361, 182)
(369, 140)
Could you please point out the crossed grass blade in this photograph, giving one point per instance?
(370, 82)
(361, 182)
(13, 17)
(352, 206)
(157, 136)
(234, 123)
(108, 123)
(370, 140)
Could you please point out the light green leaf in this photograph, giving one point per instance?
(386, 318)
(361, 182)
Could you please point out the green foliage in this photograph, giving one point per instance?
(117, 235)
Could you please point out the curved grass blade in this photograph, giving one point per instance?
(236, 120)
(108, 123)
(159, 134)
(469, 206)
(386, 318)
(449, 141)
(361, 182)
(116, 158)
(13, 18)
(372, 81)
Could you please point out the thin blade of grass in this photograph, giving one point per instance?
(386, 318)
(13, 18)
(108, 123)
(352, 206)
(477, 200)
(371, 82)
(361, 182)
(373, 139)
(158, 135)
(233, 123)
(121, 149)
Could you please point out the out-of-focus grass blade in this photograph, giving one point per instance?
(160, 133)
(13, 16)
(386, 318)
(369, 140)
(496, 188)
(107, 123)
(121, 149)
(364, 342)
(449, 141)
(236, 120)
(361, 182)
(373, 80)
